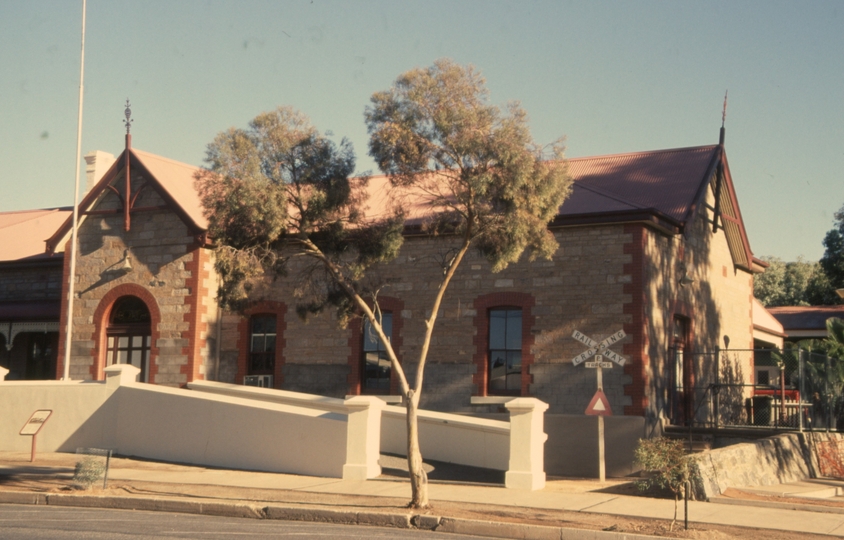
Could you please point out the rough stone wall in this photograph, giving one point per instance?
(31, 283)
(603, 278)
(165, 259)
(580, 288)
(789, 457)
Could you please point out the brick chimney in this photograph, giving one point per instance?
(96, 165)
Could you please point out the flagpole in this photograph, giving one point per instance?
(72, 278)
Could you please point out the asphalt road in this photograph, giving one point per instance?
(21, 522)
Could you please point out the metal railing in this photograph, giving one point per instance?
(790, 389)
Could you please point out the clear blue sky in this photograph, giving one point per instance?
(611, 76)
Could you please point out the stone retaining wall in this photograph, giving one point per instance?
(789, 457)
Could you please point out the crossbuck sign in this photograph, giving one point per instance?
(598, 349)
(599, 405)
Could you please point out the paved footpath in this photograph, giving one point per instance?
(572, 495)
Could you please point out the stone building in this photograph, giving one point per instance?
(651, 243)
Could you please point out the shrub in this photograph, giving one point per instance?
(88, 470)
(666, 464)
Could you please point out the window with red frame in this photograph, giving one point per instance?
(505, 351)
(262, 338)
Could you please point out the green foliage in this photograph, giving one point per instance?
(797, 283)
(89, 470)
(666, 463)
(279, 189)
(475, 165)
(824, 373)
(832, 261)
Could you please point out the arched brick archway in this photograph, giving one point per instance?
(101, 321)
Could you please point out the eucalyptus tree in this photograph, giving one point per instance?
(279, 195)
(280, 191)
(482, 179)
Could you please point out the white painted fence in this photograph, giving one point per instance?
(451, 438)
(242, 427)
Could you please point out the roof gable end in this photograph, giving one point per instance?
(172, 180)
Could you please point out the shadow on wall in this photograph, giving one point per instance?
(684, 357)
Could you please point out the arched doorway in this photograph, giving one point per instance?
(129, 335)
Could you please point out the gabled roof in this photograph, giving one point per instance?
(24, 233)
(664, 181)
(173, 180)
(665, 187)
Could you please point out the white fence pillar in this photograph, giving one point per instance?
(120, 374)
(3, 373)
(527, 444)
(363, 437)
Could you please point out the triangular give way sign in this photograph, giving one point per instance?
(600, 405)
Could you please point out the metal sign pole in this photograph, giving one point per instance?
(602, 468)
(33, 426)
(600, 405)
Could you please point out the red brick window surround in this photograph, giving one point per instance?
(262, 337)
(360, 347)
(129, 335)
(102, 321)
(505, 307)
(261, 342)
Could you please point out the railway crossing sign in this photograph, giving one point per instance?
(598, 349)
(594, 357)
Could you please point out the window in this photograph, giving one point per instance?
(128, 337)
(262, 345)
(681, 371)
(505, 351)
(376, 364)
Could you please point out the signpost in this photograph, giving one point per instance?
(33, 426)
(593, 358)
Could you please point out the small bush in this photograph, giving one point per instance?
(666, 464)
(88, 470)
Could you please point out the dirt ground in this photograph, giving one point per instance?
(37, 481)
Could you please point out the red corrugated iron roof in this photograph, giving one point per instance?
(667, 184)
(22, 234)
(177, 179)
(666, 181)
(805, 317)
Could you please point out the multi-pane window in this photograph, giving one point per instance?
(129, 349)
(376, 363)
(505, 350)
(262, 344)
(128, 337)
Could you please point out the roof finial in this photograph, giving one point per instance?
(128, 113)
(723, 119)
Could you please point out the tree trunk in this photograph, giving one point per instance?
(418, 476)
(673, 521)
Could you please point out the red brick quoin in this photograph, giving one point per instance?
(196, 309)
(638, 327)
(482, 306)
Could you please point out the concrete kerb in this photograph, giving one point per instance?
(408, 520)
(776, 504)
